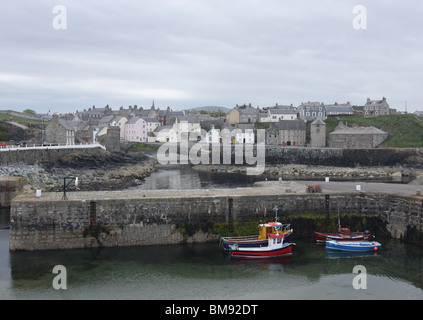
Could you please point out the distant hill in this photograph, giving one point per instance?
(212, 109)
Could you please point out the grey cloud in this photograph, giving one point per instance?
(186, 53)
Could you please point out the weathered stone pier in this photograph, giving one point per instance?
(150, 217)
(9, 188)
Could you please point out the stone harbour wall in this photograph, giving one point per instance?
(344, 157)
(51, 155)
(68, 224)
(9, 188)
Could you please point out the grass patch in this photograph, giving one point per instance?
(139, 147)
(6, 117)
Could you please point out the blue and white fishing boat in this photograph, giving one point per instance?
(353, 246)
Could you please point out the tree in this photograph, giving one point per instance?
(29, 111)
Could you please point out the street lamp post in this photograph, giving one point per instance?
(65, 186)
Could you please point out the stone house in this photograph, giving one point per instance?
(342, 109)
(136, 130)
(60, 131)
(243, 114)
(287, 133)
(165, 134)
(152, 123)
(187, 128)
(374, 108)
(111, 139)
(292, 132)
(277, 114)
(356, 137)
(112, 120)
(86, 133)
(311, 111)
(94, 114)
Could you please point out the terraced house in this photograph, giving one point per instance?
(136, 130)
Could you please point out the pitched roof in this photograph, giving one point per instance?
(66, 125)
(133, 120)
(292, 125)
(318, 121)
(151, 120)
(359, 130)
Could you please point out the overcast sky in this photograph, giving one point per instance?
(191, 53)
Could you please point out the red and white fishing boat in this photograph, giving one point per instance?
(274, 248)
(260, 240)
(344, 234)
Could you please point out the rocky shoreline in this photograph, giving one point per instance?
(111, 172)
(120, 171)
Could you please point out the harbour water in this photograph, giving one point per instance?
(204, 272)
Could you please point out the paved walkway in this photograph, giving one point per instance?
(263, 188)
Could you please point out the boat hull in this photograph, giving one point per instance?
(357, 236)
(248, 241)
(260, 253)
(353, 246)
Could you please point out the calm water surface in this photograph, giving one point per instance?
(203, 271)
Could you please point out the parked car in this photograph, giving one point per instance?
(21, 143)
(49, 144)
(2, 145)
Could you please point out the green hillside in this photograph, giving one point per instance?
(212, 109)
(405, 130)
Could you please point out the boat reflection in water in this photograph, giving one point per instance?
(346, 254)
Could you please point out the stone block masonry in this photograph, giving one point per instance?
(151, 217)
(9, 188)
(46, 155)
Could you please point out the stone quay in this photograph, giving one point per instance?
(157, 217)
